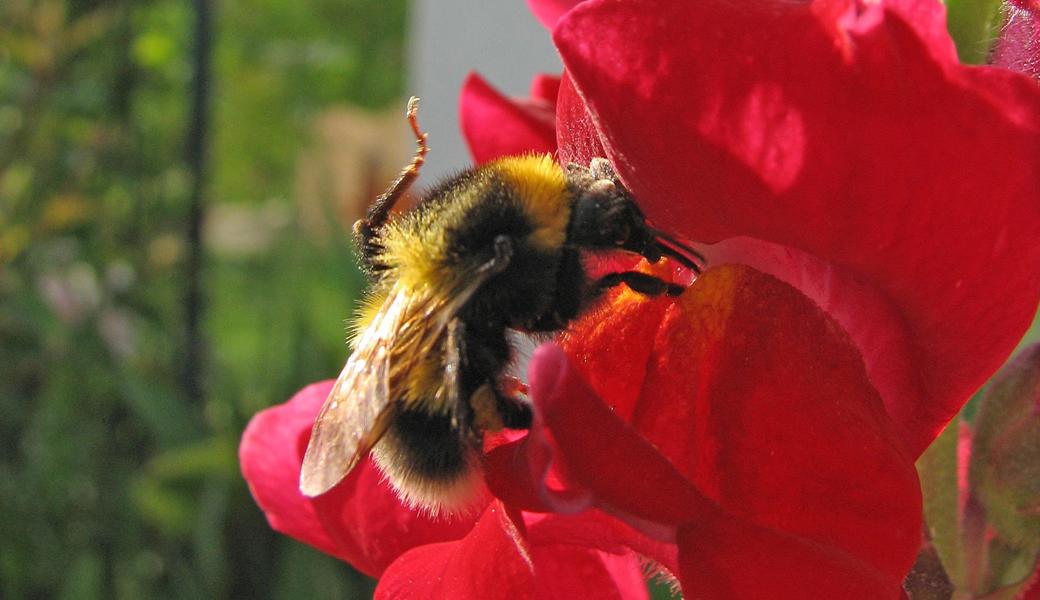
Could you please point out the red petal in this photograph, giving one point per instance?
(495, 126)
(566, 572)
(927, 20)
(1032, 589)
(775, 563)
(576, 134)
(545, 87)
(372, 527)
(360, 521)
(491, 562)
(271, 466)
(496, 561)
(757, 399)
(618, 369)
(595, 529)
(548, 12)
(825, 137)
(523, 475)
(728, 558)
(605, 454)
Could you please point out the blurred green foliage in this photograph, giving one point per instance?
(113, 484)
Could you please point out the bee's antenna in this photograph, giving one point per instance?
(681, 252)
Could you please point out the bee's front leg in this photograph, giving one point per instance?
(645, 284)
(366, 231)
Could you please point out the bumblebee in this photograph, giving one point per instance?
(495, 248)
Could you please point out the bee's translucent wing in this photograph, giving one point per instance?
(408, 329)
(360, 406)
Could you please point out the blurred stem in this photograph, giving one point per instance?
(126, 71)
(196, 159)
(975, 547)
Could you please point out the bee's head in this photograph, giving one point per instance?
(605, 216)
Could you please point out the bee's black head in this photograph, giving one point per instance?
(605, 216)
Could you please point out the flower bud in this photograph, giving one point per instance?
(1005, 463)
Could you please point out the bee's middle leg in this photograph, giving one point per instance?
(484, 354)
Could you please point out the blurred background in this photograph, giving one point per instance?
(177, 180)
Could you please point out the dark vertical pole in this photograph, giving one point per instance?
(195, 153)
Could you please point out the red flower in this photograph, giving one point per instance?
(869, 210)
(841, 148)
(804, 141)
(494, 125)
(360, 521)
(501, 553)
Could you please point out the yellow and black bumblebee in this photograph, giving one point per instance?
(495, 248)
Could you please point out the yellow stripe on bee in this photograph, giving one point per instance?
(414, 347)
(416, 247)
(366, 311)
(416, 244)
(542, 187)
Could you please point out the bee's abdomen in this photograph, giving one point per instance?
(427, 460)
(433, 448)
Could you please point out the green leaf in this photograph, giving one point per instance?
(1005, 461)
(166, 494)
(154, 49)
(306, 573)
(974, 26)
(210, 457)
(168, 418)
(1021, 576)
(85, 580)
(169, 510)
(937, 469)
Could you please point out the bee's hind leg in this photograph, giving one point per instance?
(494, 408)
(514, 412)
(366, 231)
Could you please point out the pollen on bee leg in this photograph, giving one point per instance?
(485, 409)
